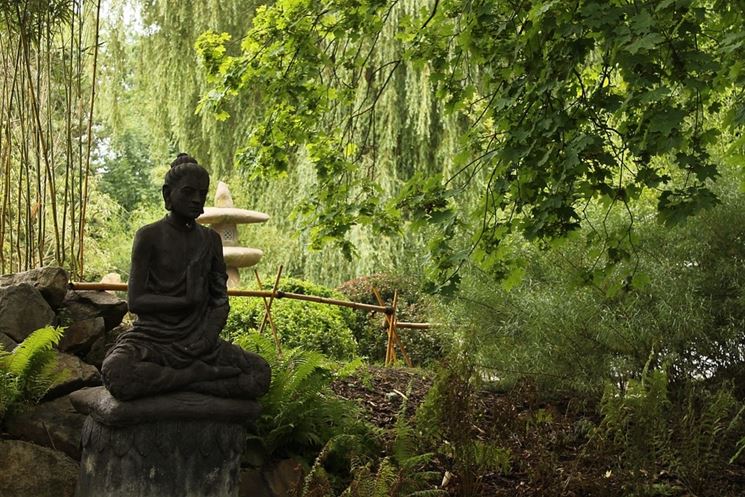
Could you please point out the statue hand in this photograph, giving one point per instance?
(196, 348)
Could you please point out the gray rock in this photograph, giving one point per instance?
(76, 375)
(102, 345)
(7, 343)
(54, 424)
(23, 310)
(50, 281)
(279, 479)
(86, 304)
(80, 336)
(29, 470)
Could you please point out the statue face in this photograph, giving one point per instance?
(186, 198)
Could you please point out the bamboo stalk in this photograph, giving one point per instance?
(122, 287)
(414, 326)
(90, 139)
(35, 112)
(392, 331)
(271, 300)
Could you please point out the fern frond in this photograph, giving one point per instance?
(348, 368)
(385, 478)
(416, 462)
(26, 357)
(34, 363)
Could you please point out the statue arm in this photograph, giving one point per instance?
(218, 307)
(217, 313)
(140, 301)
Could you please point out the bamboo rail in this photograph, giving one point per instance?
(391, 323)
(122, 287)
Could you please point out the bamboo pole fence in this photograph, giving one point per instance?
(389, 311)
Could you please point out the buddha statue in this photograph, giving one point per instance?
(177, 289)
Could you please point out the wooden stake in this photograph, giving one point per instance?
(396, 338)
(268, 309)
(271, 300)
(392, 331)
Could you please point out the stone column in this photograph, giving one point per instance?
(178, 445)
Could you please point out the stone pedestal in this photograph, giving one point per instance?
(178, 445)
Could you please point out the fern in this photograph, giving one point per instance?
(691, 438)
(29, 370)
(300, 412)
(705, 435)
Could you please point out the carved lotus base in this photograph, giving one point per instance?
(178, 445)
(161, 459)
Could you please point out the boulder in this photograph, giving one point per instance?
(6, 343)
(50, 281)
(23, 310)
(112, 278)
(81, 335)
(54, 424)
(101, 346)
(86, 304)
(75, 375)
(278, 479)
(29, 470)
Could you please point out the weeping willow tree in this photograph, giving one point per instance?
(567, 109)
(153, 82)
(48, 52)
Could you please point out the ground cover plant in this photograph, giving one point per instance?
(29, 370)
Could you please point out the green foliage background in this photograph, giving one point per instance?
(322, 328)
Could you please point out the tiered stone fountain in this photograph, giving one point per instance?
(225, 218)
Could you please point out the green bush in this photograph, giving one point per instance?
(423, 346)
(312, 326)
(577, 318)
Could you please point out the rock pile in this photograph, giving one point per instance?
(40, 448)
(50, 431)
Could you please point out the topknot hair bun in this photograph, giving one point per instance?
(183, 158)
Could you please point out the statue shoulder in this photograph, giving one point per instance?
(149, 231)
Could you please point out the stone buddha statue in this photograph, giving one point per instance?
(177, 289)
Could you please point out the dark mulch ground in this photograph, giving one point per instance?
(547, 440)
(382, 392)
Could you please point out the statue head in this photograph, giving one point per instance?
(185, 187)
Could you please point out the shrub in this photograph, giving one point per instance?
(320, 327)
(423, 346)
(577, 319)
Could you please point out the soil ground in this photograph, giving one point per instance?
(550, 444)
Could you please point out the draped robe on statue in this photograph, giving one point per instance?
(166, 351)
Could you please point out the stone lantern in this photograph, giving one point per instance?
(224, 218)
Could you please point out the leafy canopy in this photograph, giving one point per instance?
(562, 104)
